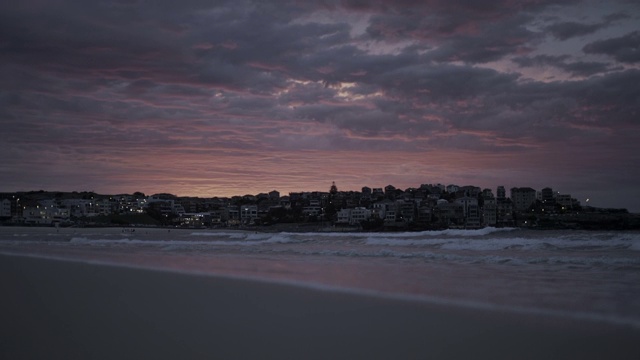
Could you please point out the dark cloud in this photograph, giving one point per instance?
(570, 29)
(625, 49)
(540, 60)
(442, 83)
(492, 43)
(610, 101)
(578, 68)
(437, 19)
(567, 30)
(615, 17)
(587, 68)
(459, 30)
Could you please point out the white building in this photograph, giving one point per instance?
(467, 204)
(178, 208)
(44, 214)
(470, 210)
(343, 216)
(380, 209)
(103, 207)
(390, 216)
(359, 215)
(195, 220)
(311, 210)
(81, 207)
(248, 214)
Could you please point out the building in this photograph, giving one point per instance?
(285, 202)
(366, 192)
(390, 192)
(104, 207)
(424, 215)
(567, 202)
(274, 195)
(217, 217)
(232, 215)
(490, 212)
(353, 216)
(358, 215)
(80, 207)
(470, 210)
(523, 198)
(470, 191)
(248, 214)
(311, 211)
(5, 208)
(390, 216)
(406, 210)
(377, 194)
(379, 209)
(195, 220)
(504, 213)
(473, 219)
(449, 213)
(45, 214)
(547, 195)
(343, 216)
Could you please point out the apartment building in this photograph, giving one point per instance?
(523, 198)
(5, 208)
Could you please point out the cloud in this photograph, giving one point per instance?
(491, 43)
(577, 68)
(625, 48)
(460, 30)
(570, 29)
(587, 68)
(567, 30)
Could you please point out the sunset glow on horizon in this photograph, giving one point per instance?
(240, 97)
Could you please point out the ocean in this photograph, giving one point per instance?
(563, 274)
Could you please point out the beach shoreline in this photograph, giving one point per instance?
(76, 309)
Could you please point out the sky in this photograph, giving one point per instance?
(222, 98)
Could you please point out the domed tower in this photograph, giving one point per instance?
(334, 188)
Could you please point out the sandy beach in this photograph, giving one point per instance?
(75, 310)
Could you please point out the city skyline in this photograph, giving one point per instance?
(498, 192)
(244, 97)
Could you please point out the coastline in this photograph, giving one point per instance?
(65, 309)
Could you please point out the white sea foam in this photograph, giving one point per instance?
(85, 240)
(246, 240)
(445, 246)
(223, 234)
(409, 234)
(635, 245)
(515, 243)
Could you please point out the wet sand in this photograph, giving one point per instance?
(72, 310)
